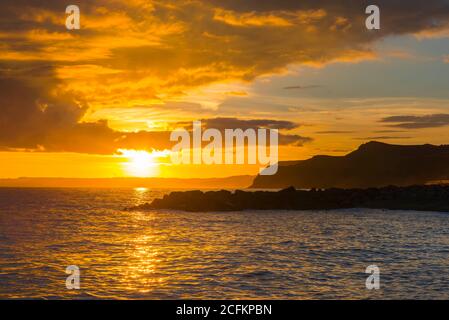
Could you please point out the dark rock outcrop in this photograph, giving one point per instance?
(373, 164)
(423, 198)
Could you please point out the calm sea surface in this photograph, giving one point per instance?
(171, 255)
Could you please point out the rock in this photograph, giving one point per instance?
(423, 198)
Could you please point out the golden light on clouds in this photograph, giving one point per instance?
(136, 68)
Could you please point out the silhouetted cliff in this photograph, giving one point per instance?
(373, 164)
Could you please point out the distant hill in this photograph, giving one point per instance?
(373, 164)
(234, 182)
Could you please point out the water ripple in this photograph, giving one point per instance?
(172, 255)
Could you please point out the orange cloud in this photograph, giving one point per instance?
(250, 19)
(134, 53)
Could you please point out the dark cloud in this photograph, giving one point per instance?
(383, 138)
(418, 122)
(235, 123)
(388, 131)
(313, 86)
(226, 36)
(397, 16)
(222, 124)
(334, 150)
(293, 140)
(334, 132)
(33, 118)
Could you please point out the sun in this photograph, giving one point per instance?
(140, 163)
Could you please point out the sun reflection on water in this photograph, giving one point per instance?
(143, 257)
(175, 255)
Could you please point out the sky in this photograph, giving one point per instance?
(101, 101)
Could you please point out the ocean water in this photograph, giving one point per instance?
(234, 255)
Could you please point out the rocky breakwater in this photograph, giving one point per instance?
(421, 198)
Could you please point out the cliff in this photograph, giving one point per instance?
(373, 164)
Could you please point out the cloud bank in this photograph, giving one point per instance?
(418, 122)
(141, 52)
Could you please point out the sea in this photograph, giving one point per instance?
(167, 254)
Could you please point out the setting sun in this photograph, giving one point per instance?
(141, 163)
